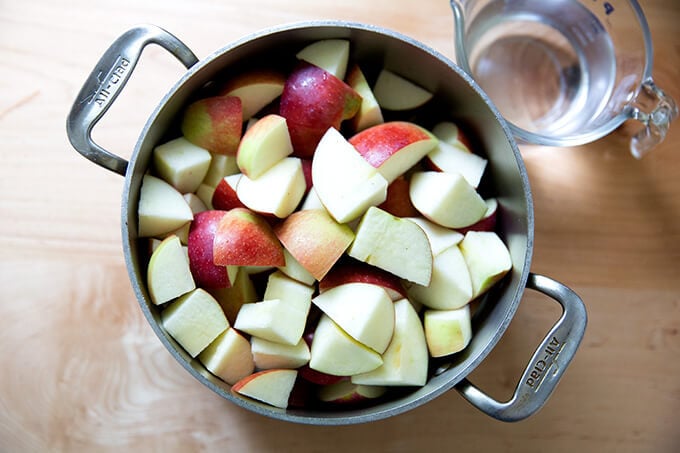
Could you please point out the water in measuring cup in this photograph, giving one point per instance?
(549, 67)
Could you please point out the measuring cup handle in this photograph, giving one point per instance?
(656, 121)
(105, 83)
(548, 363)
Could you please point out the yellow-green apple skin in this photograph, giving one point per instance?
(214, 123)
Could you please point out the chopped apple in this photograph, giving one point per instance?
(244, 238)
(395, 92)
(278, 191)
(281, 286)
(272, 387)
(263, 145)
(370, 113)
(353, 271)
(314, 239)
(200, 250)
(398, 201)
(487, 259)
(486, 223)
(194, 320)
(345, 392)
(345, 183)
(406, 360)
(214, 123)
(269, 354)
(449, 132)
(295, 270)
(205, 194)
(394, 244)
(274, 320)
(440, 237)
(256, 89)
(311, 201)
(447, 331)
(224, 196)
(329, 54)
(446, 199)
(319, 378)
(450, 159)
(228, 357)
(394, 147)
(231, 299)
(168, 273)
(195, 203)
(450, 286)
(334, 352)
(221, 165)
(162, 209)
(181, 163)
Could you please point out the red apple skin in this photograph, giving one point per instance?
(313, 100)
(353, 271)
(302, 395)
(378, 143)
(307, 171)
(317, 377)
(398, 202)
(214, 123)
(225, 197)
(487, 223)
(200, 250)
(244, 238)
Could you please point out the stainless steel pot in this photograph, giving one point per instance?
(458, 97)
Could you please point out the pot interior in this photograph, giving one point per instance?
(456, 97)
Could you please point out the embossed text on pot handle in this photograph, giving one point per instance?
(105, 83)
(548, 363)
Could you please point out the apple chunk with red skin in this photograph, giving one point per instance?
(256, 89)
(353, 271)
(312, 101)
(347, 393)
(398, 201)
(200, 250)
(269, 386)
(214, 123)
(243, 238)
(394, 147)
(224, 196)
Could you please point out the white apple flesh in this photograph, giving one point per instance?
(272, 387)
(162, 209)
(228, 357)
(168, 272)
(447, 331)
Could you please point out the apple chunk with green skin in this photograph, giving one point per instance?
(370, 113)
(244, 238)
(344, 181)
(312, 101)
(263, 145)
(182, 164)
(447, 331)
(347, 393)
(278, 191)
(314, 239)
(329, 54)
(334, 352)
(214, 123)
(406, 360)
(487, 259)
(450, 286)
(194, 321)
(394, 244)
(162, 209)
(168, 273)
(353, 271)
(228, 357)
(394, 147)
(272, 387)
(395, 92)
(362, 310)
(269, 354)
(256, 89)
(446, 199)
(274, 320)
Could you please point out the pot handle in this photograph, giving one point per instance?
(548, 362)
(105, 83)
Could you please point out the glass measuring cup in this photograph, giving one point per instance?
(564, 72)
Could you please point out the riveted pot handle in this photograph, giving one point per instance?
(105, 83)
(548, 363)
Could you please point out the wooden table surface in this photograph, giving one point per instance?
(83, 371)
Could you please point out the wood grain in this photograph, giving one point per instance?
(83, 371)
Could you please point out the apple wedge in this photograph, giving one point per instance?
(263, 145)
(451, 159)
(440, 237)
(369, 113)
(274, 320)
(395, 92)
(334, 352)
(394, 244)
(278, 191)
(406, 360)
(168, 275)
(269, 354)
(394, 147)
(486, 223)
(224, 196)
(314, 239)
(447, 331)
(200, 250)
(347, 393)
(162, 209)
(449, 132)
(345, 182)
(487, 259)
(194, 321)
(244, 238)
(446, 199)
(280, 286)
(362, 310)
(228, 357)
(295, 270)
(353, 271)
(329, 54)
(214, 123)
(256, 89)
(181, 163)
(272, 387)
